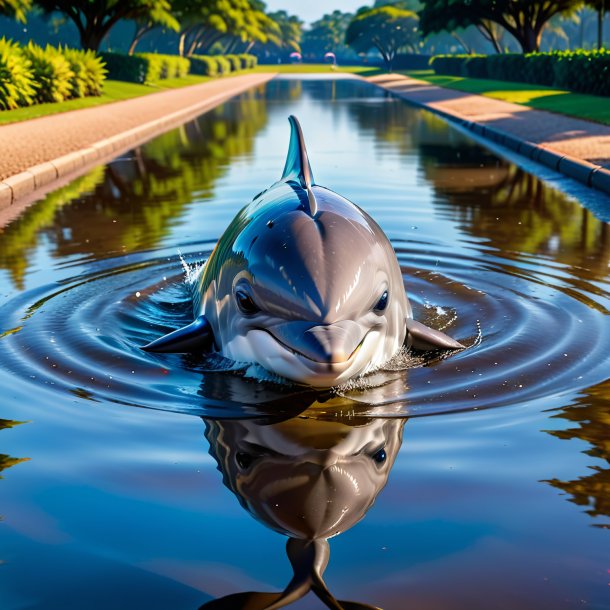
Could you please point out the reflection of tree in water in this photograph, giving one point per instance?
(133, 202)
(6, 461)
(591, 415)
(513, 210)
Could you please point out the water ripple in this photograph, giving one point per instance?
(533, 329)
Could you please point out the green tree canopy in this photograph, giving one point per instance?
(15, 8)
(327, 34)
(387, 29)
(95, 18)
(524, 19)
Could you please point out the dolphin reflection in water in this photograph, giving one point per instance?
(308, 479)
(304, 283)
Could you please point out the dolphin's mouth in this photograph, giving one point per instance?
(296, 352)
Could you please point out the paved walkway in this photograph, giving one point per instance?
(578, 148)
(38, 152)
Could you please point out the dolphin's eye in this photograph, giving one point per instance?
(245, 302)
(380, 456)
(382, 303)
(244, 460)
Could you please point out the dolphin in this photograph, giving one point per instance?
(309, 479)
(304, 283)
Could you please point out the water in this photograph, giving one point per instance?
(496, 458)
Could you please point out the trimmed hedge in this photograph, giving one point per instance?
(235, 62)
(145, 67)
(17, 85)
(581, 71)
(204, 65)
(213, 65)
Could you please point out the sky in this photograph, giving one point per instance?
(310, 10)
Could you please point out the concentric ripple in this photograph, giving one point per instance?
(534, 332)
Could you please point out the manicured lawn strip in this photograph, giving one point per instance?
(580, 105)
(322, 68)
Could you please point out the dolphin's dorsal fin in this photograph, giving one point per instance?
(297, 168)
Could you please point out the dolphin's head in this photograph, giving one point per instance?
(306, 478)
(317, 299)
(304, 283)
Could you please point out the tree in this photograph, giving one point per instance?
(387, 28)
(206, 22)
(15, 8)
(601, 7)
(95, 18)
(159, 17)
(524, 19)
(327, 34)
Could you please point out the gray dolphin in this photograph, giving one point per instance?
(309, 479)
(304, 283)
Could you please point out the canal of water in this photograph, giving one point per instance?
(475, 481)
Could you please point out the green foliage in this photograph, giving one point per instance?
(52, 73)
(204, 64)
(15, 8)
(524, 19)
(128, 68)
(583, 71)
(387, 28)
(17, 86)
(94, 19)
(145, 67)
(235, 62)
(88, 72)
(248, 61)
(580, 71)
(223, 64)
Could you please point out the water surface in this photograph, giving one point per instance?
(110, 493)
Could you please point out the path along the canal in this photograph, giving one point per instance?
(39, 153)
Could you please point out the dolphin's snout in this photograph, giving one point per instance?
(325, 343)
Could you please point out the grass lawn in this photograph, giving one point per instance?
(591, 107)
(322, 68)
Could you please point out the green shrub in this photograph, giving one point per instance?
(580, 71)
(235, 62)
(52, 73)
(156, 67)
(17, 87)
(204, 64)
(128, 68)
(583, 71)
(448, 64)
(475, 66)
(88, 72)
(248, 61)
(223, 64)
(180, 66)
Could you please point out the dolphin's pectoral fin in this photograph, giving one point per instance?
(422, 337)
(249, 600)
(196, 337)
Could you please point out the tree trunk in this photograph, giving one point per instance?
(139, 34)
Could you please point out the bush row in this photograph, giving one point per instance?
(152, 67)
(581, 71)
(30, 74)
